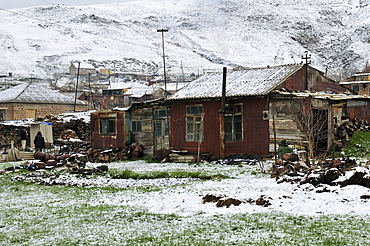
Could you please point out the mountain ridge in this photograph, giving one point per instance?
(202, 35)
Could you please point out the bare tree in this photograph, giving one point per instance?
(56, 78)
(313, 123)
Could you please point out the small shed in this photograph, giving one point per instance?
(109, 129)
(46, 130)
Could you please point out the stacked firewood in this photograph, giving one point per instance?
(107, 155)
(346, 130)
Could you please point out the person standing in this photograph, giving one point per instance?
(24, 137)
(39, 142)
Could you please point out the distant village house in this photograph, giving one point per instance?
(31, 100)
(81, 68)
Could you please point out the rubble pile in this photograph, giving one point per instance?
(240, 159)
(330, 172)
(223, 201)
(68, 162)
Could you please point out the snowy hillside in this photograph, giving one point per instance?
(202, 35)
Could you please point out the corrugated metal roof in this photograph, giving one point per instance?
(35, 93)
(249, 82)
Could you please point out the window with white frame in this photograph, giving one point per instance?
(194, 123)
(234, 122)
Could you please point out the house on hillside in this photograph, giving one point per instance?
(123, 94)
(259, 109)
(359, 83)
(85, 68)
(30, 100)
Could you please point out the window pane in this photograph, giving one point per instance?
(160, 113)
(111, 126)
(158, 128)
(166, 129)
(136, 126)
(104, 126)
(107, 126)
(193, 123)
(228, 125)
(228, 136)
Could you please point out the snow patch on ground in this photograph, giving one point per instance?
(184, 196)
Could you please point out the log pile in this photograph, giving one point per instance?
(107, 155)
(10, 133)
(80, 127)
(68, 146)
(346, 130)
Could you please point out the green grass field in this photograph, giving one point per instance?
(33, 214)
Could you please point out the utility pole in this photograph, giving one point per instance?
(165, 86)
(78, 75)
(164, 61)
(307, 58)
(90, 97)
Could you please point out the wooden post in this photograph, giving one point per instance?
(222, 116)
(78, 75)
(274, 130)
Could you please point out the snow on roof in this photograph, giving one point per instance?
(249, 82)
(134, 89)
(174, 86)
(83, 65)
(35, 93)
(354, 82)
(125, 85)
(64, 117)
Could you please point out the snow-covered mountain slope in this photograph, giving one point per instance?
(202, 35)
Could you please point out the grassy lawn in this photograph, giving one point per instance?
(33, 214)
(359, 145)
